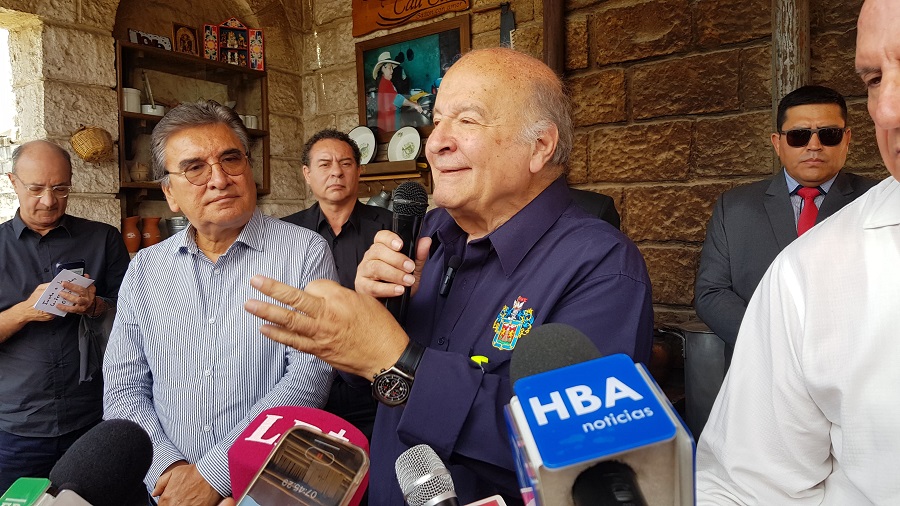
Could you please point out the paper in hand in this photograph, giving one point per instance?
(50, 298)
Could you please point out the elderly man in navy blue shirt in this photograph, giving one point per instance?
(501, 141)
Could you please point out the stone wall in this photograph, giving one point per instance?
(671, 98)
(62, 61)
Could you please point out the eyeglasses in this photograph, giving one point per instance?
(37, 191)
(199, 173)
(799, 137)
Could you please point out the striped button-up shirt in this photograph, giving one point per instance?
(187, 363)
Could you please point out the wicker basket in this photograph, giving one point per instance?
(92, 144)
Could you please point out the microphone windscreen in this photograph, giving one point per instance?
(106, 466)
(550, 346)
(422, 476)
(609, 483)
(410, 199)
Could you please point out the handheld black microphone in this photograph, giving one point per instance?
(424, 479)
(447, 280)
(106, 466)
(410, 203)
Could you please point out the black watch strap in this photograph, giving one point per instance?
(409, 360)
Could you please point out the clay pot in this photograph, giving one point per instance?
(131, 234)
(151, 234)
(139, 172)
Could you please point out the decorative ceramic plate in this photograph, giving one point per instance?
(404, 144)
(365, 139)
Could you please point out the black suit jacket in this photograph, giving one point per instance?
(371, 220)
(750, 225)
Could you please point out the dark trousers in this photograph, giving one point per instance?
(32, 457)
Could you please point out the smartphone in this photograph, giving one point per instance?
(308, 468)
(76, 266)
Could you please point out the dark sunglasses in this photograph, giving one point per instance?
(799, 137)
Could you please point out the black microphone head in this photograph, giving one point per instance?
(423, 477)
(609, 483)
(550, 346)
(106, 466)
(454, 262)
(410, 199)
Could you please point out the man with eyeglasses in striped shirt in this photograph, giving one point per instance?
(47, 398)
(184, 360)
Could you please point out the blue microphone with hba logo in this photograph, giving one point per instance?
(566, 421)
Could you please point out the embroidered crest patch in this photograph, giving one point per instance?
(511, 324)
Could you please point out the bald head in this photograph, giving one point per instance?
(42, 149)
(519, 77)
(878, 64)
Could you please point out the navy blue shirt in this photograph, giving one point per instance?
(40, 393)
(551, 262)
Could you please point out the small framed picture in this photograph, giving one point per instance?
(185, 39)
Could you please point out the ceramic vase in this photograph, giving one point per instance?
(131, 234)
(150, 234)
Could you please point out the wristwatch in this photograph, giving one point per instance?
(392, 386)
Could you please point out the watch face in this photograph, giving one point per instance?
(391, 388)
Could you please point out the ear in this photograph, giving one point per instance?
(543, 148)
(170, 199)
(306, 174)
(847, 136)
(776, 144)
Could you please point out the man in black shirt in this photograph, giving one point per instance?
(331, 167)
(50, 392)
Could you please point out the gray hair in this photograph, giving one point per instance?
(22, 148)
(545, 103)
(190, 115)
(548, 105)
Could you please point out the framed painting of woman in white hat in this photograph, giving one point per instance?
(398, 75)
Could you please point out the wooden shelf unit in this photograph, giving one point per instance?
(181, 78)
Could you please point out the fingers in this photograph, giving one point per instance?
(80, 298)
(384, 270)
(161, 484)
(388, 238)
(290, 327)
(286, 294)
(423, 246)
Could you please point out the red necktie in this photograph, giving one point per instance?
(810, 211)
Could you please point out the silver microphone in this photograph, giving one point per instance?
(424, 479)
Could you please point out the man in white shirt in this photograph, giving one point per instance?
(806, 414)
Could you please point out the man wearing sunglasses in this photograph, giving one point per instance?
(751, 224)
(184, 361)
(47, 397)
(807, 413)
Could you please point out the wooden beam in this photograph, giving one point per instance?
(555, 36)
(790, 50)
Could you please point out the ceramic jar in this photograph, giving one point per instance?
(177, 224)
(151, 234)
(139, 172)
(131, 234)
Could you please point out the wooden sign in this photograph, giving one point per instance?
(371, 15)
